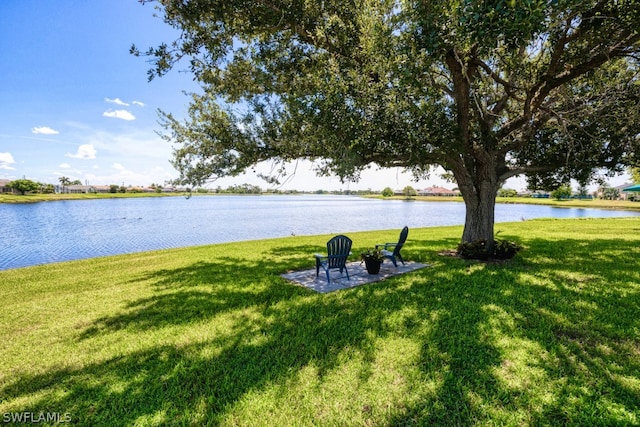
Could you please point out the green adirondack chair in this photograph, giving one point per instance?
(395, 254)
(338, 250)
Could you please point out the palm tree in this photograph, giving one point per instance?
(64, 181)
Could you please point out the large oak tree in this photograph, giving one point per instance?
(487, 90)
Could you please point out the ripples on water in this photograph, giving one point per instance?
(65, 230)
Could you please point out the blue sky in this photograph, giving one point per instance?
(75, 103)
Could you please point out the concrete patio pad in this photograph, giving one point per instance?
(357, 274)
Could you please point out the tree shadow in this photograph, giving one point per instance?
(457, 311)
(141, 383)
(195, 293)
(583, 332)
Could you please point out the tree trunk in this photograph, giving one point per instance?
(480, 214)
(474, 168)
(479, 193)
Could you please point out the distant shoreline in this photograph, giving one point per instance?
(37, 198)
(572, 203)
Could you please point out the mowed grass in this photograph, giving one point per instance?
(214, 336)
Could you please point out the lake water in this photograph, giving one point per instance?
(58, 231)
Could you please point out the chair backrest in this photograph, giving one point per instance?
(338, 249)
(403, 238)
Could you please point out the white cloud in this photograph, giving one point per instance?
(138, 103)
(119, 114)
(135, 157)
(142, 146)
(64, 166)
(85, 151)
(44, 130)
(6, 160)
(116, 101)
(118, 174)
(70, 173)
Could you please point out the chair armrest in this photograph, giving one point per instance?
(386, 245)
(323, 256)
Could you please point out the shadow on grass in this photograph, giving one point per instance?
(580, 333)
(196, 293)
(502, 345)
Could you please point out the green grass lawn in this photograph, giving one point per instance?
(213, 335)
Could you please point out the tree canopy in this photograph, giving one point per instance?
(24, 186)
(487, 90)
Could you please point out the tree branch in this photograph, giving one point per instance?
(461, 94)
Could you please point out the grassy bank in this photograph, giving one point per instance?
(212, 335)
(573, 203)
(34, 198)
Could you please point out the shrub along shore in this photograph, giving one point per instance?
(213, 335)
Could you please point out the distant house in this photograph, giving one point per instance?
(100, 189)
(174, 189)
(77, 189)
(540, 195)
(4, 186)
(623, 194)
(438, 191)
